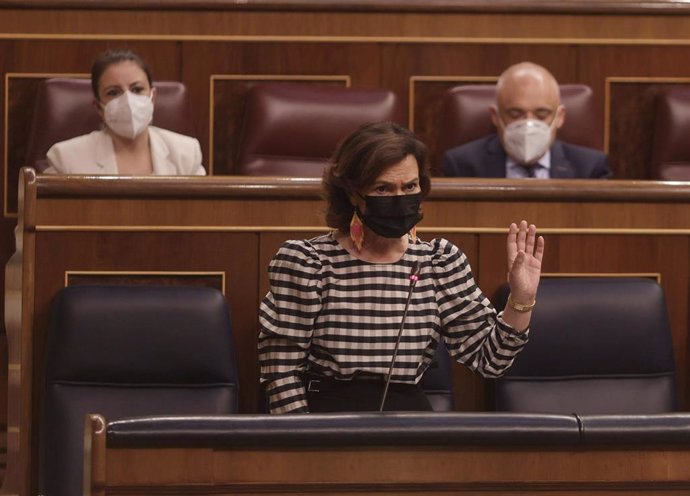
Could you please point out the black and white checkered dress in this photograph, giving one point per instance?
(338, 316)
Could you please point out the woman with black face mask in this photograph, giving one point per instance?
(329, 324)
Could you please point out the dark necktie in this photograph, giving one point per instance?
(530, 170)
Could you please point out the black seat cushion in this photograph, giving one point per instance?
(597, 345)
(130, 350)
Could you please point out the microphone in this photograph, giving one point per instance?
(414, 277)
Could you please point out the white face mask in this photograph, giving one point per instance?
(128, 114)
(527, 140)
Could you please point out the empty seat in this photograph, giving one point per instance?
(128, 351)
(671, 149)
(294, 129)
(597, 346)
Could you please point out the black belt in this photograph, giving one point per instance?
(315, 383)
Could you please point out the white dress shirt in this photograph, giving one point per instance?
(542, 168)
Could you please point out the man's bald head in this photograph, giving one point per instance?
(527, 80)
(527, 91)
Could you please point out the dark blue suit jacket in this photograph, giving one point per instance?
(485, 157)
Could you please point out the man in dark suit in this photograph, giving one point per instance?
(527, 115)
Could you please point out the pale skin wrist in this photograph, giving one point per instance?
(525, 251)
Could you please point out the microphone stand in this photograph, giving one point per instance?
(414, 277)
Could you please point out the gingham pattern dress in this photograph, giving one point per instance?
(335, 315)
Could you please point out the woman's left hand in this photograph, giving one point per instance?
(525, 252)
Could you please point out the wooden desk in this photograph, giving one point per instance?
(223, 231)
(486, 454)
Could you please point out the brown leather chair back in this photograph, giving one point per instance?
(465, 116)
(64, 110)
(671, 150)
(294, 129)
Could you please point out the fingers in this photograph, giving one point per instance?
(539, 251)
(522, 236)
(526, 237)
(522, 240)
(530, 239)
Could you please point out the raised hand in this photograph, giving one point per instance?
(525, 252)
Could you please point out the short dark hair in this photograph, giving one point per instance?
(110, 57)
(361, 159)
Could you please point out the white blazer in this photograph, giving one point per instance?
(172, 154)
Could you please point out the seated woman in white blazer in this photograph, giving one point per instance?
(127, 144)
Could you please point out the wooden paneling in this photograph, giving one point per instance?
(215, 280)
(380, 45)
(379, 49)
(218, 73)
(631, 114)
(234, 255)
(234, 225)
(397, 21)
(388, 471)
(372, 60)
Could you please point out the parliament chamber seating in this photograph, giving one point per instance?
(389, 453)
(64, 109)
(366, 428)
(597, 346)
(129, 350)
(671, 148)
(233, 225)
(465, 116)
(294, 129)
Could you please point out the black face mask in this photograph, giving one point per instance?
(391, 216)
